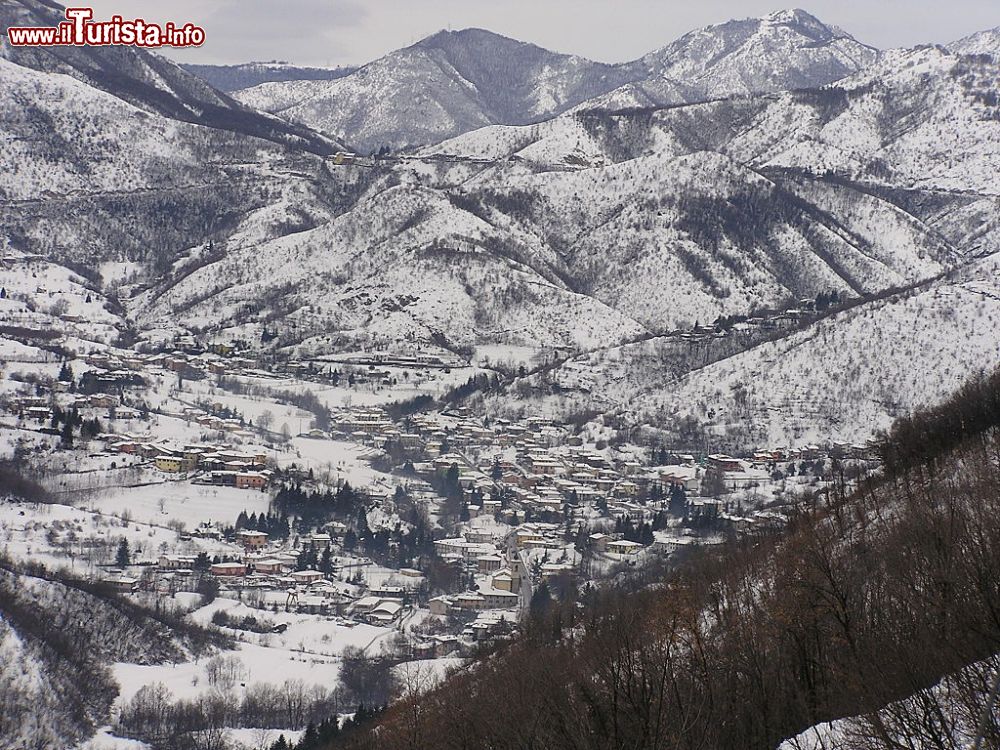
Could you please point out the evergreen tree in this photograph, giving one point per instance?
(123, 558)
(302, 561)
(541, 601)
(310, 738)
(67, 434)
(350, 540)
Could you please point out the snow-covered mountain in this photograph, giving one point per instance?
(754, 202)
(596, 228)
(87, 177)
(454, 82)
(784, 50)
(446, 84)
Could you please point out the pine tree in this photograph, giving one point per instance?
(123, 557)
(309, 738)
(67, 434)
(541, 601)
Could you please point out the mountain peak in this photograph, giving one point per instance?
(785, 49)
(804, 23)
(449, 38)
(793, 16)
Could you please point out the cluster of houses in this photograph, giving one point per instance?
(40, 408)
(190, 364)
(263, 568)
(211, 420)
(540, 467)
(215, 464)
(837, 448)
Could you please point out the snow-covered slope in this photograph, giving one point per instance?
(88, 177)
(454, 82)
(950, 711)
(58, 635)
(841, 378)
(423, 271)
(986, 42)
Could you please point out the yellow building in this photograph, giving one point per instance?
(168, 463)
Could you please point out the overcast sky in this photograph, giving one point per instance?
(349, 32)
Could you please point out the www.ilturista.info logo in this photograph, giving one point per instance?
(79, 31)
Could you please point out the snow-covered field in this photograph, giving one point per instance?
(188, 503)
(307, 636)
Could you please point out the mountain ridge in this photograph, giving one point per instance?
(538, 84)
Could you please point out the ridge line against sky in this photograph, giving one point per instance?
(354, 32)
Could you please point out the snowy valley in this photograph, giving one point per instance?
(317, 392)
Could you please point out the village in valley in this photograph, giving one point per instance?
(294, 494)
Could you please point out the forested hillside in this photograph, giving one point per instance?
(58, 637)
(870, 597)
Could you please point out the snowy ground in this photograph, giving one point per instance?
(85, 540)
(307, 636)
(183, 501)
